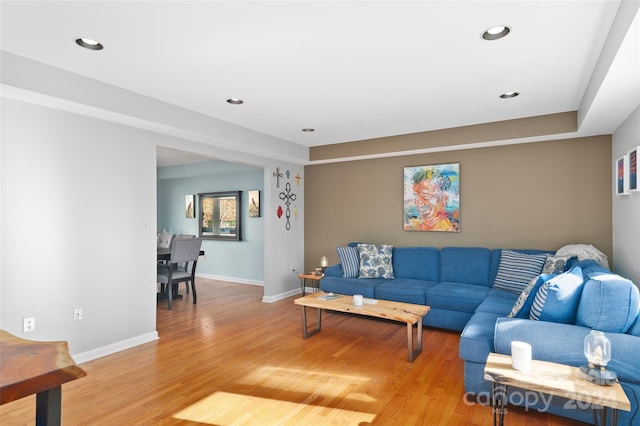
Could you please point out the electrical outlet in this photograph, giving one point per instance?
(28, 324)
(77, 314)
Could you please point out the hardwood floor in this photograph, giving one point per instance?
(234, 360)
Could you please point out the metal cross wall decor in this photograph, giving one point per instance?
(277, 174)
(287, 196)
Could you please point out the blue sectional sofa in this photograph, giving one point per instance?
(460, 285)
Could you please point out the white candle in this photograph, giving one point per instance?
(357, 299)
(521, 356)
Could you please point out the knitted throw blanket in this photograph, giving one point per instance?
(583, 252)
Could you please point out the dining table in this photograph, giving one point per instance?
(164, 253)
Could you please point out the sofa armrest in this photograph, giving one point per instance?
(564, 343)
(333, 271)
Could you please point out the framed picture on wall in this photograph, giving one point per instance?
(189, 206)
(254, 203)
(432, 198)
(622, 175)
(633, 169)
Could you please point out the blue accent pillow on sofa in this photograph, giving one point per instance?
(557, 299)
(609, 303)
(349, 260)
(523, 305)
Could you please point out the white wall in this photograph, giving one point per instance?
(76, 195)
(78, 228)
(284, 247)
(626, 208)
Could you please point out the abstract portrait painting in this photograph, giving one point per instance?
(432, 198)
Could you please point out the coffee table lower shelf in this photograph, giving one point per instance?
(552, 379)
(396, 311)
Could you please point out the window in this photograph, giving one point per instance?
(220, 215)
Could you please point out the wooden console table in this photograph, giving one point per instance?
(28, 367)
(552, 379)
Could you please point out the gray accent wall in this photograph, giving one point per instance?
(540, 195)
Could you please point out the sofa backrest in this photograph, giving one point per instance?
(420, 263)
(468, 265)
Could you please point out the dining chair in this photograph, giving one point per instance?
(164, 240)
(183, 266)
(184, 250)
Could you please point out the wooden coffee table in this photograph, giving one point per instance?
(396, 311)
(42, 368)
(552, 379)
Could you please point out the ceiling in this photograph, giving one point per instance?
(351, 70)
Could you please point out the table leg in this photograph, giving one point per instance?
(302, 283)
(305, 331)
(48, 410)
(498, 402)
(414, 352)
(603, 415)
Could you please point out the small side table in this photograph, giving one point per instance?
(552, 379)
(315, 281)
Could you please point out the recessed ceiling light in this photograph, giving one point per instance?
(235, 101)
(509, 95)
(495, 33)
(87, 43)
(308, 130)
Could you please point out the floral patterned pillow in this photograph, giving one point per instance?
(375, 261)
(555, 264)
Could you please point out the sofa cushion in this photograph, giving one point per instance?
(521, 308)
(375, 261)
(456, 296)
(351, 285)
(468, 265)
(557, 299)
(608, 303)
(476, 340)
(349, 260)
(516, 270)
(497, 302)
(420, 263)
(634, 330)
(404, 290)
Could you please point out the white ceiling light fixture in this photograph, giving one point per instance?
(88, 43)
(509, 95)
(496, 33)
(235, 101)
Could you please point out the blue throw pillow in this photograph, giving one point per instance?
(557, 299)
(609, 303)
(522, 306)
(516, 270)
(349, 260)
